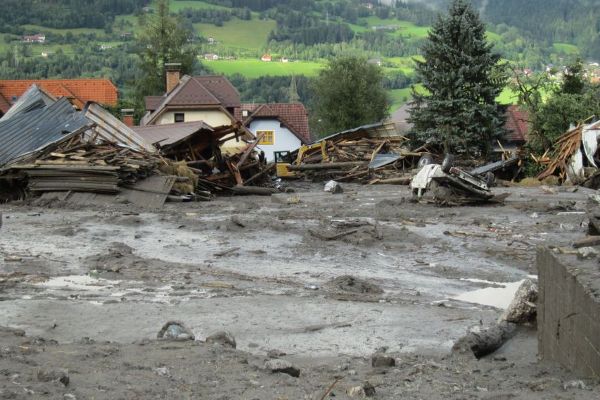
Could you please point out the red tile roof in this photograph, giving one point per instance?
(293, 115)
(4, 105)
(79, 91)
(516, 124)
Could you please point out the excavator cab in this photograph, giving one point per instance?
(283, 159)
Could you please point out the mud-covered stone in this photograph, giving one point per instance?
(223, 338)
(278, 365)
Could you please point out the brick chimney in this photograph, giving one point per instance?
(127, 116)
(173, 72)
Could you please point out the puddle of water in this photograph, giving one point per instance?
(77, 282)
(499, 297)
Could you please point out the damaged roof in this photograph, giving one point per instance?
(30, 131)
(167, 134)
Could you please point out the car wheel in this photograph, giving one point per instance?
(447, 163)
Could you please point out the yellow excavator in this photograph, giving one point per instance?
(284, 159)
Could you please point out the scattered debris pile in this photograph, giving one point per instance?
(197, 146)
(80, 166)
(575, 158)
(50, 149)
(368, 154)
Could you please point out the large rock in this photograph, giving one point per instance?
(278, 365)
(523, 307)
(223, 338)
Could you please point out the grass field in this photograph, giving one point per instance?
(404, 28)
(75, 31)
(251, 35)
(251, 68)
(177, 5)
(566, 48)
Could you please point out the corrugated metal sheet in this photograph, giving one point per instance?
(165, 135)
(32, 99)
(112, 129)
(30, 131)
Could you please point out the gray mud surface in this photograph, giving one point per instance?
(320, 280)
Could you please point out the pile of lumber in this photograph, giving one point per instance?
(364, 160)
(80, 166)
(565, 147)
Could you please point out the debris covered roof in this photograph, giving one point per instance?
(30, 131)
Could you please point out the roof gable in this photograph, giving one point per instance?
(293, 115)
(193, 93)
(221, 88)
(199, 91)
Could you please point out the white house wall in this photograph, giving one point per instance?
(213, 118)
(283, 138)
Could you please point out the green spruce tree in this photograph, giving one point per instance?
(163, 40)
(462, 77)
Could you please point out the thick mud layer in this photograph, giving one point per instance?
(325, 279)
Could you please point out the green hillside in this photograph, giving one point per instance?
(100, 35)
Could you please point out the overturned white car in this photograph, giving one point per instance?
(446, 183)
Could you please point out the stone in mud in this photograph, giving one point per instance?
(379, 360)
(174, 330)
(523, 307)
(366, 390)
(54, 375)
(223, 338)
(348, 283)
(278, 365)
(275, 353)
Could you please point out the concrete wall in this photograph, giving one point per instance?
(283, 138)
(569, 312)
(213, 118)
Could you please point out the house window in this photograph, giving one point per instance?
(268, 138)
(179, 117)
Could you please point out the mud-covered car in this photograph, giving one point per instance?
(446, 182)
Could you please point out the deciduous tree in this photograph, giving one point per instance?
(348, 93)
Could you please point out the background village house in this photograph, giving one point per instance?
(216, 102)
(78, 91)
(283, 126)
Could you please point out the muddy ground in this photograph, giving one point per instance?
(322, 281)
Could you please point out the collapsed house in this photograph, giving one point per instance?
(89, 156)
(374, 153)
